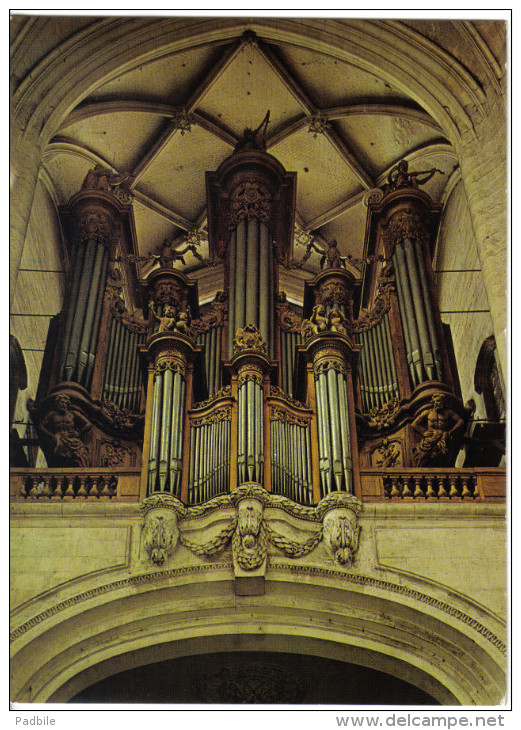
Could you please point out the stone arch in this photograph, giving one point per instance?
(144, 621)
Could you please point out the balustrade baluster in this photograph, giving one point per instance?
(465, 492)
(395, 492)
(441, 488)
(418, 491)
(406, 492)
(454, 492)
(430, 493)
(67, 483)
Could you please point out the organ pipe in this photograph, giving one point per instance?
(122, 373)
(378, 381)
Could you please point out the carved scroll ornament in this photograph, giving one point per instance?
(386, 415)
(288, 319)
(250, 199)
(95, 226)
(215, 317)
(406, 224)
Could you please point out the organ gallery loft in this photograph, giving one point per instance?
(257, 361)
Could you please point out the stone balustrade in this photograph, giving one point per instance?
(440, 485)
(74, 484)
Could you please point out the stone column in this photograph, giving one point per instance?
(483, 158)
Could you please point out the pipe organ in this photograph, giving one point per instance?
(250, 388)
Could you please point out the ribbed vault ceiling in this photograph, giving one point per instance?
(339, 127)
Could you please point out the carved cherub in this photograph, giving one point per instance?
(337, 321)
(316, 323)
(183, 323)
(167, 323)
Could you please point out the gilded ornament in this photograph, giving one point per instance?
(386, 415)
(250, 199)
(224, 392)
(248, 338)
(221, 414)
(97, 227)
(279, 393)
(387, 454)
(406, 224)
(279, 414)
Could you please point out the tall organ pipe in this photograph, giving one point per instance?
(93, 340)
(417, 299)
(155, 430)
(428, 308)
(240, 274)
(252, 272)
(232, 291)
(421, 339)
(77, 267)
(79, 313)
(390, 355)
(408, 308)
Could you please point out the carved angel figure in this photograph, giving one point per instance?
(400, 177)
(167, 322)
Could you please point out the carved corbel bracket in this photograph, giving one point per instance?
(250, 541)
(160, 530)
(339, 513)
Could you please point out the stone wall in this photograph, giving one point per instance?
(462, 296)
(38, 293)
(427, 587)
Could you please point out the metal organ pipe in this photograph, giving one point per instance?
(265, 285)
(417, 299)
(426, 298)
(93, 341)
(408, 308)
(421, 339)
(155, 430)
(71, 363)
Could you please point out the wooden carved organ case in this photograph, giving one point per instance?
(251, 387)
